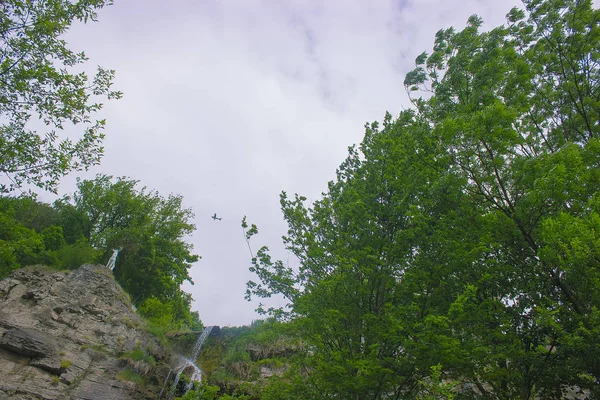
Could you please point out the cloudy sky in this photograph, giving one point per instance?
(230, 102)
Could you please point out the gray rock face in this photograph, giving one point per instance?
(63, 336)
(28, 342)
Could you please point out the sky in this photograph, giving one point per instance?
(228, 103)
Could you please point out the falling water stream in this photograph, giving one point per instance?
(189, 362)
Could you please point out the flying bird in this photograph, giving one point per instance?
(216, 218)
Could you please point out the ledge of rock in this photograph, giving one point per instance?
(28, 342)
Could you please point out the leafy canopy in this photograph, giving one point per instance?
(457, 251)
(150, 231)
(39, 87)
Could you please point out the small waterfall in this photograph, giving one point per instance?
(201, 339)
(190, 362)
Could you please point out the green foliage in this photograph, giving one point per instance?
(74, 255)
(156, 312)
(172, 315)
(22, 245)
(18, 245)
(39, 85)
(159, 332)
(148, 228)
(462, 233)
(130, 375)
(435, 388)
(33, 233)
(233, 361)
(201, 392)
(139, 354)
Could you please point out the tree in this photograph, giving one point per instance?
(148, 228)
(34, 233)
(516, 109)
(38, 87)
(19, 245)
(367, 295)
(463, 233)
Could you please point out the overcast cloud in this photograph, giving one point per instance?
(230, 102)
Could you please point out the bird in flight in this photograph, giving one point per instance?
(216, 218)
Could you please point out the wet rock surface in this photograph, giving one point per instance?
(62, 336)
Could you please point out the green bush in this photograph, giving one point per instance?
(138, 354)
(74, 255)
(129, 375)
(201, 391)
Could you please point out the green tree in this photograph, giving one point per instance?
(19, 245)
(172, 315)
(150, 232)
(33, 233)
(353, 246)
(516, 110)
(39, 87)
(463, 233)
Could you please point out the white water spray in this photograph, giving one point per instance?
(191, 362)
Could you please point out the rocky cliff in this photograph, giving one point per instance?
(74, 335)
